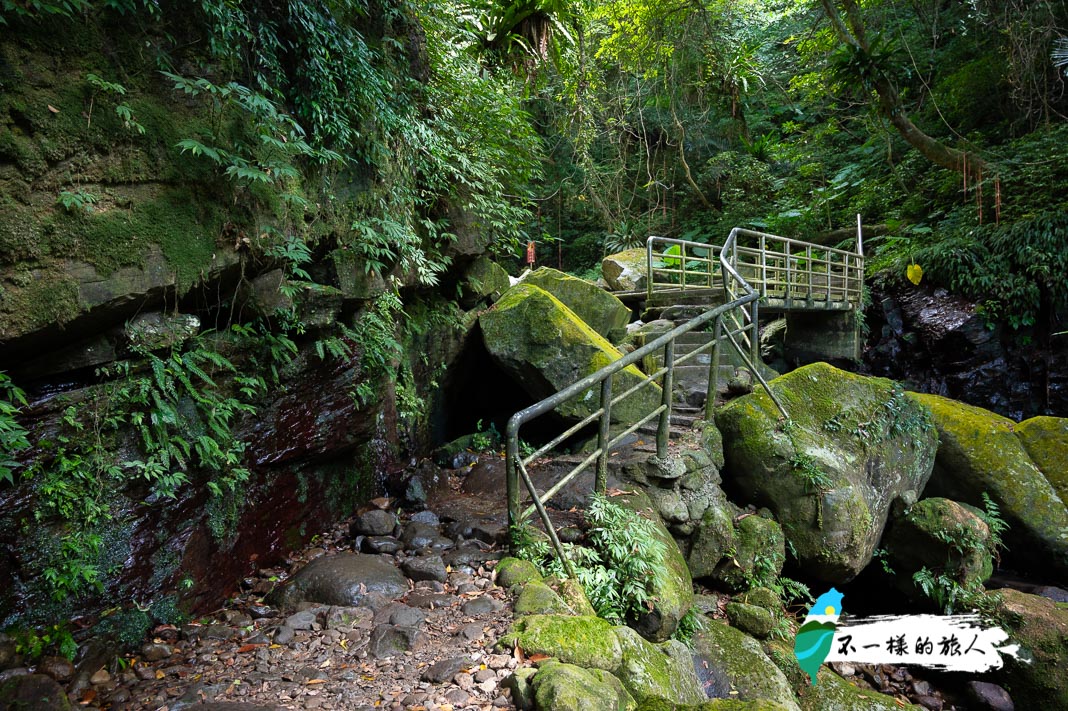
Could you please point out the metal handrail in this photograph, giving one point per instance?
(516, 466)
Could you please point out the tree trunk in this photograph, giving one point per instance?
(890, 103)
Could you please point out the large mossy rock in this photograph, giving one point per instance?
(32, 692)
(739, 668)
(980, 453)
(671, 593)
(1038, 679)
(545, 347)
(588, 642)
(484, 279)
(626, 271)
(943, 535)
(852, 447)
(601, 311)
(567, 687)
(663, 672)
(1046, 441)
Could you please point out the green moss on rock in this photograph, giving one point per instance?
(566, 687)
(545, 347)
(602, 311)
(537, 598)
(514, 571)
(752, 620)
(740, 661)
(1046, 441)
(980, 452)
(650, 672)
(588, 642)
(853, 446)
(833, 693)
(1037, 680)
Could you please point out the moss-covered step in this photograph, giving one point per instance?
(545, 347)
(981, 453)
(601, 311)
(852, 446)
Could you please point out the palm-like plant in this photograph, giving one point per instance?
(1060, 53)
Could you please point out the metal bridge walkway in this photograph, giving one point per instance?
(730, 283)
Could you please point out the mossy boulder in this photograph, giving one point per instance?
(626, 271)
(853, 446)
(545, 347)
(738, 667)
(980, 453)
(1046, 441)
(600, 310)
(567, 687)
(537, 598)
(940, 535)
(833, 693)
(751, 619)
(484, 279)
(1037, 680)
(588, 642)
(672, 587)
(759, 554)
(515, 571)
(656, 672)
(33, 692)
(713, 536)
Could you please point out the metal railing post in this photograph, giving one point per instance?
(754, 335)
(713, 370)
(603, 436)
(649, 269)
(663, 429)
(511, 474)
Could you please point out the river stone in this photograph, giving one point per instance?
(739, 660)
(1040, 627)
(344, 579)
(231, 706)
(586, 641)
(374, 523)
(852, 447)
(833, 693)
(444, 670)
(59, 668)
(1046, 442)
(33, 692)
(980, 452)
(939, 534)
(713, 537)
(391, 640)
(626, 271)
(601, 311)
(567, 687)
(989, 697)
(430, 567)
(653, 672)
(545, 347)
(671, 591)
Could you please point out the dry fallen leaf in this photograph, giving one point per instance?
(53, 109)
(316, 681)
(538, 657)
(246, 648)
(88, 696)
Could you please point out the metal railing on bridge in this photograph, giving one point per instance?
(730, 321)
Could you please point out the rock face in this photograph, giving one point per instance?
(1046, 441)
(545, 347)
(626, 271)
(939, 534)
(344, 579)
(600, 310)
(853, 446)
(980, 453)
